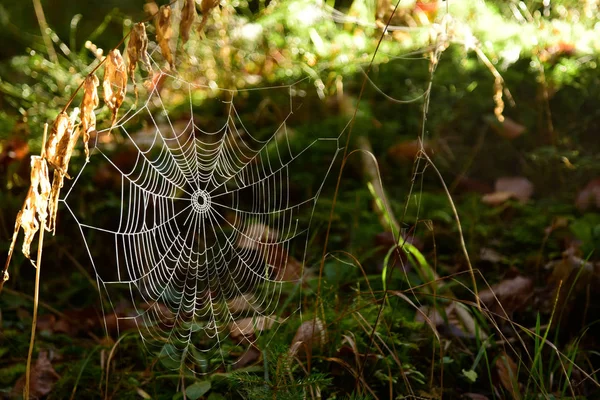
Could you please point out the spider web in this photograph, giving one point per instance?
(208, 222)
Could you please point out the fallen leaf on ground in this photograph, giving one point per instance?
(244, 302)
(490, 255)
(510, 294)
(42, 379)
(506, 188)
(508, 128)
(589, 196)
(508, 374)
(247, 327)
(458, 321)
(250, 356)
(310, 333)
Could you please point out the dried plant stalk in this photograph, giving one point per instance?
(205, 7)
(499, 108)
(188, 16)
(164, 33)
(115, 82)
(88, 105)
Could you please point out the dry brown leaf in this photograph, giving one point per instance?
(33, 213)
(243, 302)
(115, 82)
(508, 373)
(246, 327)
(506, 188)
(58, 141)
(43, 378)
(59, 149)
(520, 187)
(249, 357)
(512, 294)
(205, 7)
(188, 16)
(496, 198)
(57, 184)
(457, 321)
(137, 51)
(35, 208)
(507, 128)
(88, 105)
(311, 333)
(589, 196)
(164, 32)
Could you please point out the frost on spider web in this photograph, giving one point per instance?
(209, 211)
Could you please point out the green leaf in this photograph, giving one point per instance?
(470, 375)
(169, 357)
(197, 390)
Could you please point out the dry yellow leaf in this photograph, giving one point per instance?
(88, 105)
(115, 82)
(188, 16)
(164, 32)
(206, 6)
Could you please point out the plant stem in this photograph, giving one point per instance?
(39, 13)
(36, 297)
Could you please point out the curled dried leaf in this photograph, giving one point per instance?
(205, 7)
(88, 105)
(34, 210)
(188, 16)
(115, 82)
(57, 184)
(58, 140)
(137, 50)
(164, 32)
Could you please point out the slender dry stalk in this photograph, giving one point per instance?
(36, 293)
(39, 13)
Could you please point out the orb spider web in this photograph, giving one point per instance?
(207, 223)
